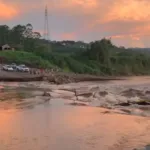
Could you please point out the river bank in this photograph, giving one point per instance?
(53, 77)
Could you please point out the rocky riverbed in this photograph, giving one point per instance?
(130, 96)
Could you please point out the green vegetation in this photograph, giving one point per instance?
(27, 58)
(98, 57)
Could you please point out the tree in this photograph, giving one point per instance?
(4, 34)
(36, 35)
(28, 31)
(100, 51)
(16, 34)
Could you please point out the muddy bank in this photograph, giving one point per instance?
(63, 78)
(53, 77)
(19, 76)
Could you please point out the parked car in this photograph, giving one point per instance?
(23, 68)
(14, 66)
(8, 68)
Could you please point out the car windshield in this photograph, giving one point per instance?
(8, 66)
(22, 66)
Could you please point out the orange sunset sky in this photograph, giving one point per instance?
(127, 22)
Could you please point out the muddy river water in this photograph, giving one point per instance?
(57, 125)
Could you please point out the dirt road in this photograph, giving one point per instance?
(19, 76)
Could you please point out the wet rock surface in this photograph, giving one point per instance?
(132, 93)
(131, 98)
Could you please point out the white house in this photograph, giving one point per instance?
(6, 47)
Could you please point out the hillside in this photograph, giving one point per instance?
(98, 57)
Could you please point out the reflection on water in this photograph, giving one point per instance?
(56, 126)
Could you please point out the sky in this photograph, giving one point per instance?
(126, 22)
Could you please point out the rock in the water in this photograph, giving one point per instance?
(147, 92)
(132, 93)
(141, 102)
(46, 94)
(85, 94)
(94, 89)
(124, 104)
(103, 93)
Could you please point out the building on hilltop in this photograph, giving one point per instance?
(6, 47)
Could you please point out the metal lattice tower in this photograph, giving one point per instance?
(46, 27)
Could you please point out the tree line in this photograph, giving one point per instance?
(100, 57)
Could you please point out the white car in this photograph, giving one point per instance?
(23, 68)
(14, 66)
(8, 68)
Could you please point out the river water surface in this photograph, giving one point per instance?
(57, 125)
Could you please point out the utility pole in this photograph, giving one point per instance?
(46, 29)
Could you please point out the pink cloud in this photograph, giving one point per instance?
(7, 12)
(66, 36)
(120, 19)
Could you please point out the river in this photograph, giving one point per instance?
(57, 125)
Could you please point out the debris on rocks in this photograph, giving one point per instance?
(60, 79)
(64, 78)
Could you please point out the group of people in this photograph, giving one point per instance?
(42, 71)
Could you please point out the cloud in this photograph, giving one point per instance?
(66, 36)
(137, 10)
(126, 21)
(7, 11)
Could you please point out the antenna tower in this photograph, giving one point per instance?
(46, 28)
